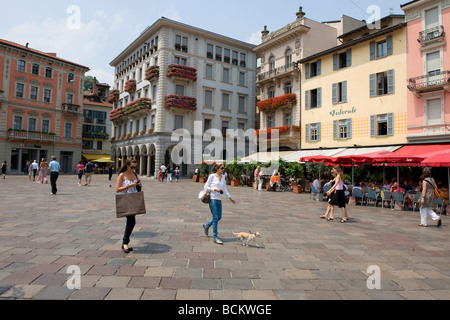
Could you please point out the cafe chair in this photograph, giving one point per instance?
(372, 196)
(398, 197)
(416, 200)
(357, 193)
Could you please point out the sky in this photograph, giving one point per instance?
(93, 33)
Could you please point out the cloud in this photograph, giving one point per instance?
(171, 13)
(255, 38)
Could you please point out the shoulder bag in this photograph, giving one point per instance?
(437, 194)
(130, 204)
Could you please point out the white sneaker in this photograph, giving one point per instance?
(218, 241)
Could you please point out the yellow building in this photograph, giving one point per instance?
(354, 94)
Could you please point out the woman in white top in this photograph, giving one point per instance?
(126, 183)
(216, 186)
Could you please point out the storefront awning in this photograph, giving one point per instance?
(97, 157)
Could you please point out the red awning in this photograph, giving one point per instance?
(435, 155)
(423, 149)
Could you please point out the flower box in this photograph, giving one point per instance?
(273, 104)
(130, 85)
(180, 71)
(137, 105)
(281, 130)
(113, 96)
(116, 114)
(151, 73)
(180, 102)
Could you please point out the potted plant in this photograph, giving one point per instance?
(296, 170)
(235, 169)
(204, 172)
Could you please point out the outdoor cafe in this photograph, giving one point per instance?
(435, 156)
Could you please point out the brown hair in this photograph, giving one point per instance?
(426, 172)
(217, 166)
(339, 172)
(126, 164)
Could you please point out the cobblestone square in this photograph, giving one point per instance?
(300, 256)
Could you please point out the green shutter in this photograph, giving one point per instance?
(389, 45)
(372, 50)
(334, 93)
(391, 81)
(390, 124)
(335, 130)
(373, 126)
(373, 91)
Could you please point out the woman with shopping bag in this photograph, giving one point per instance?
(129, 202)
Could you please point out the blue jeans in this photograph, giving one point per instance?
(216, 210)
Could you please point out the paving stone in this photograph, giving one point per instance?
(301, 256)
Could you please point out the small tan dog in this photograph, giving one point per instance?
(249, 236)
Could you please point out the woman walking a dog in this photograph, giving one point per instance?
(216, 186)
(338, 198)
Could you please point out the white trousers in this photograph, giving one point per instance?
(424, 212)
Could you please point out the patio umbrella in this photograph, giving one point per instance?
(438, 159)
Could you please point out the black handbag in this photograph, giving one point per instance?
(138, 187)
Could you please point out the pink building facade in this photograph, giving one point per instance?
(428, 73)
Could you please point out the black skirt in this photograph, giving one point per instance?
(338, 199)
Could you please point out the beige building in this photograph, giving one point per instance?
(279, 79)
(354, 94)
(171, 77)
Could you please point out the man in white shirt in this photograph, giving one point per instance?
(163, 172)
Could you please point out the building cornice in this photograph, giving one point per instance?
(164, 22)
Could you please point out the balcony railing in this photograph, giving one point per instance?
(434, 81)
(33, 136)
(431, 34)
(275, 72)
(70, 108)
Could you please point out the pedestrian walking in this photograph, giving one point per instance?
(80, 170)
(34, 168)
(3, 169)
(177, 174)
(163, 172)
(110, 172)
(54, 168)
(43, 165)
(126, 183)
(338, 198)
(428, 200)
(89, 170)
(169, 171)
(216, 186)
(256, 176)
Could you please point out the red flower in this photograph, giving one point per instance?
(272, 104)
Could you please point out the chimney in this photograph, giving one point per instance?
(94, 87)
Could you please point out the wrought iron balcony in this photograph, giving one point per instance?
(432, 82)
(431, 34)
(275, 73)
